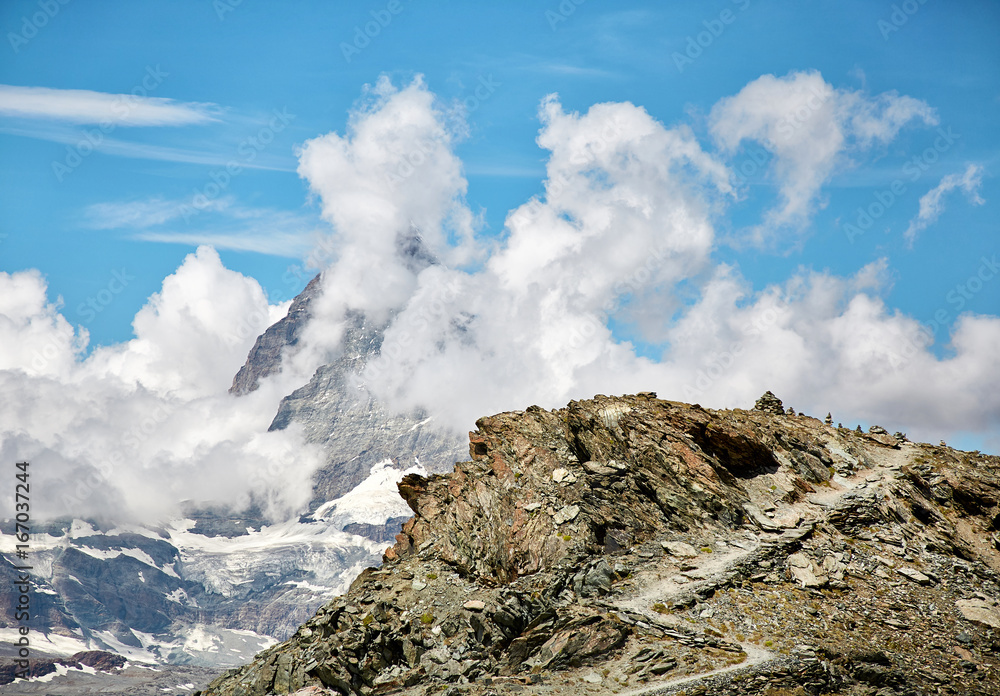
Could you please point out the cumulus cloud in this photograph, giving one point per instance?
(932, 202)
(621, 243)
(138, 430)
(811, 128)
(390, 178)
(827, 343)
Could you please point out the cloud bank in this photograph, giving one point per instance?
(811, 129)
(140, 430)
(608, 283)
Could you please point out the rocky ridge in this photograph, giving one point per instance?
(635, 545)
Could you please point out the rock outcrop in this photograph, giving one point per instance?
(95, 659)
(265, 357)
(635, 543)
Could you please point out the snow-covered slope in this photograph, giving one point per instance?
(218, 586)
(174, 595)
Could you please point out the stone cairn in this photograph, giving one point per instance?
(769, 403)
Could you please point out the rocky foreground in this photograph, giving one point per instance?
(635, 545)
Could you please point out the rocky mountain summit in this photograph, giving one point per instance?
(636, 545)
(336, 409)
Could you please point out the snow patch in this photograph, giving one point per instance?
(373, 501)
(50, 643)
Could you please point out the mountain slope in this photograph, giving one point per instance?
(633, 543)
(335, 408)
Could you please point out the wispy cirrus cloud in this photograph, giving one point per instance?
(141, 214)
(82, 106)
(293, 244)
(932, 202)
(222, 223)
(73, 136)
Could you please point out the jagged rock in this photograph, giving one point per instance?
(769, 403)
(567, 514)
(573, 583)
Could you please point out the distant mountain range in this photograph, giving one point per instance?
(218, 586)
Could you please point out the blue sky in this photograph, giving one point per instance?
(246, 84)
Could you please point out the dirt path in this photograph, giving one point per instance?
(755, 656)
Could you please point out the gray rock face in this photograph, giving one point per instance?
(355, 430)
(336, 409)
(503, 582)
(265, 356)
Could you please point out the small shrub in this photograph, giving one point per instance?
(427, 619)
(661, 608)
(706, 549)
(432, 576)
(566, 537)
(367, 621)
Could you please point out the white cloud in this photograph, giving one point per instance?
(219, 222)
(932, 202)
(135, 429)
(81, 106)
(623, 237)
(392, 172)
(810, 127)
(141, 214)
